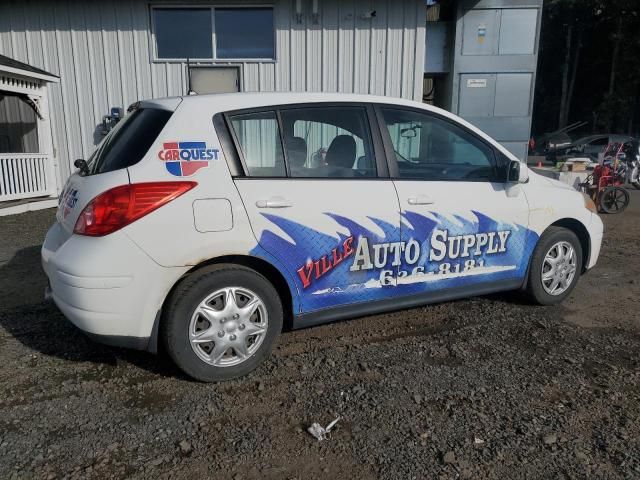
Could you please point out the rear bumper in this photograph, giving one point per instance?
(106, 286)
(134, 343)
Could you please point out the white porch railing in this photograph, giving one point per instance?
(25, 175)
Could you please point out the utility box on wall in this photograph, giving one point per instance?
(513, 94)
(438, 48)
(518, 31)
(477, 95)
(480, 32)
(494, 67)
(495, 95)
(500, 31)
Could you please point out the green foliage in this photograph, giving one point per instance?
(613, 100)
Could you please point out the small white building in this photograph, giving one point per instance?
(463, 55)
(27, 167)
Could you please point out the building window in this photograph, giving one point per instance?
(183, 33)
(244, 33)
(192, 33)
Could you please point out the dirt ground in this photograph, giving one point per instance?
(488, 387)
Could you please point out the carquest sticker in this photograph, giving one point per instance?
(435, 252)
(68, 200)
(184, 159)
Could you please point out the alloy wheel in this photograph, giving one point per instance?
(559, 268)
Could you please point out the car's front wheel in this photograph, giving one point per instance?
(555, 266)
(221, 322)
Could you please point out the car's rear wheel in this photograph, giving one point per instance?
(555, 267)
(221, 322)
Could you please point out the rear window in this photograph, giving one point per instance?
(129, 141)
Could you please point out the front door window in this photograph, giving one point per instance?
(430, 148)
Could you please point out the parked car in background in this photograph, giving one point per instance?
(204, 223)
(590, 147)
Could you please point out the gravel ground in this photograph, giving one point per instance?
(483, 388)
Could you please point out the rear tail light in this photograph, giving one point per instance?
(120, 206)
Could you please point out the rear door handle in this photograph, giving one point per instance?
(420, 200)
(274, 202)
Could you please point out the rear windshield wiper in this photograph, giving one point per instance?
(81, 164)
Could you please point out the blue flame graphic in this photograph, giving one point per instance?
(340, 286)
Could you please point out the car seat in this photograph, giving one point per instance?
(297, 154)
(341, 155)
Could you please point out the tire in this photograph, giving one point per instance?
(538, 290)
(614, 200)
(221, 306)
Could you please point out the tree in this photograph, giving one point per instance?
(588, 67)
(576, 14)
(616, 110)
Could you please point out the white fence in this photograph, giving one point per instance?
(26, 175)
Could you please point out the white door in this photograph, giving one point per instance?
(469, 225)
(316, 202)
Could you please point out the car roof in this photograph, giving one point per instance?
(228, 101)
(223, 102)
(241, 100)
(617, 137)
(588, 139)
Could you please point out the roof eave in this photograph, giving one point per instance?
(29, 74)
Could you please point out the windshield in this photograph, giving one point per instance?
(129, 141)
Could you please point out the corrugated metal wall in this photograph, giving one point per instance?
(102, 52)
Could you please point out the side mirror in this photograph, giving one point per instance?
(518, 172)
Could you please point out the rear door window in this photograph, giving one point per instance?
(318, 141)
(129, 141)
(328, 142)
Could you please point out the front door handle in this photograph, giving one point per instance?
(420, 200)
(274, 202)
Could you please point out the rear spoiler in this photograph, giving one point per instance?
(170, 104)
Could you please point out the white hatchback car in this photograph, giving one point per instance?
(209, 223)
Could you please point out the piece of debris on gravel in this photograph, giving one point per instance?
(185, 447)
(320, 432)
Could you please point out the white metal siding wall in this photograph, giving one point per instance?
(102, 52)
